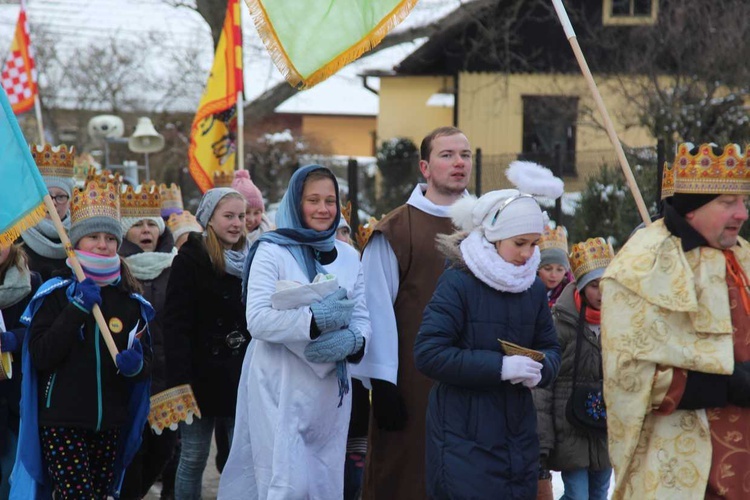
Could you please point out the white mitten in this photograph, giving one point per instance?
(520, 368)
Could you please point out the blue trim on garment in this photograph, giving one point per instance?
(29, 480)
(99, 410)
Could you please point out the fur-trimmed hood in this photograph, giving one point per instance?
(448, 245)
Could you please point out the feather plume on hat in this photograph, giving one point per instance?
(532, 178)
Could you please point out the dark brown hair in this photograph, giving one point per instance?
(426, 147)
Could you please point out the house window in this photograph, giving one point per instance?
(629, 12)
(549, 132)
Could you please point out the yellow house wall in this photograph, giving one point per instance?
(491, 111)
(343, 135)
(403, 107)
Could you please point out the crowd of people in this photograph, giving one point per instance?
(465, 353)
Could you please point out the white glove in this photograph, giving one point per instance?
(520, 369)
(532, 382)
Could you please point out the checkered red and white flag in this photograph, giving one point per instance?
(19, 74)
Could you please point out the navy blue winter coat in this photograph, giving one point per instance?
(481, 438)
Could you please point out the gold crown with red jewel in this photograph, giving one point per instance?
(725, 171)
(171, 197)
(667, 181)
(586, 256)
(54, 161)
(140, 203)
(103, 177)
(554, 238)
(223, 179)
(96, 198)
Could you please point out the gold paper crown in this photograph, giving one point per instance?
(667, 181)
(223, 179)
(594, 253)
(95, 199)
(364, 232)
(708, 173)
(171, 197)
(183, 221)
(54, 161)
(554, 238)
(103, 177)
(145, 202)
(346, 212)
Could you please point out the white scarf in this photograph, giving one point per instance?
(485, 263)
(149, 265)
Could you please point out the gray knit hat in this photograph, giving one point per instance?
(95, 208)
(208, 203)
(554, 256)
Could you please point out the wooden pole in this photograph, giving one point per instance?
(78, 270)
(39, 124)
(608, 124)
(240, 133)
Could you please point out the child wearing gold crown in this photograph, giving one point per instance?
(554, 267)
(481, 399)
(42, 243)
(580, 446)
(82, 415)
(148, 249)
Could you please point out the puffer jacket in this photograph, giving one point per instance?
(573, 448)
(481, 431)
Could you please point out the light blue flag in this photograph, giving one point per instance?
(22, 188)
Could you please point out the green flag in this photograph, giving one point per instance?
(309, 40)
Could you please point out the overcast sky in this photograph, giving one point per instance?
(76, 23)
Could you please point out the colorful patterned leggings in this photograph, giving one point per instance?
(80, 461)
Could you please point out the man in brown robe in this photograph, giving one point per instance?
(401, 268)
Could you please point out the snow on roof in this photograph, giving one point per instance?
(76, 24)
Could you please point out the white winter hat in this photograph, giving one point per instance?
(500, 214)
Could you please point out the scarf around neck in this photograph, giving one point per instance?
(15, 286)
(485, 263)
(290, 232)
(593, 316)
(103, 270)
(44, 240)
(149, 265)
(234, 261)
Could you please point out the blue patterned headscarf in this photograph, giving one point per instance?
(291, 232)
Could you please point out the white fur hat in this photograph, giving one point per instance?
(510, 212)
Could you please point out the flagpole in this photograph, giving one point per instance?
(40, 125)
(608, 124)
(103, 328)
(240, 132)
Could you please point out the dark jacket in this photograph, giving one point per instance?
(574, 449)
(45, 266)
(10, 390)
(481, 431)
(202, 308)
(155, 291)
(78, 383)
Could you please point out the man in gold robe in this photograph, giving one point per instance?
(676, 338)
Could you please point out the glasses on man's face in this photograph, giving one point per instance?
(60, 198)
